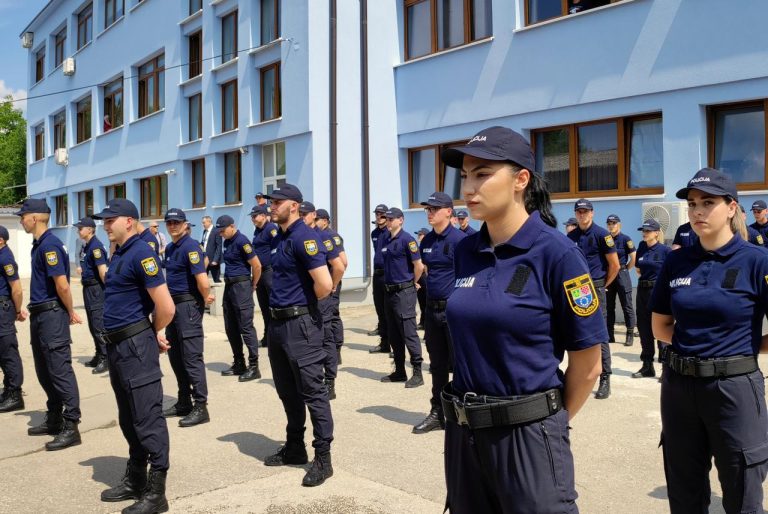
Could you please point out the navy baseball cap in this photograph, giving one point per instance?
(759, 205)
(393, 212)
(421, 231)
(36, 205)
(322, 214)
(438, 199)
(712, 181)
(224, 221)
(118, 207)
(190, 225)
(583, 203)
(493, 144)
(87, 221)
(571, 221)
(306, 208)
(4, 233)
(259, 209)
(613, 218)
(285, 192)
(380, 209)
(462, 214)
(650, 224)
(258, 195)
(175, 215)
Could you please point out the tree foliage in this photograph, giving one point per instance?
(13, 151)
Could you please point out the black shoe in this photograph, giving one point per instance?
(251, 374)
(198, 416)
(379, 349)
(93, 362)
(69, 436)
(416, 379)
(374, 332)
(630, 338)
(647, 371)
(101, 366)
(177, 410)
(395, 376)
(291, 453)
(131, 486)
(320, 471)
(330, 387)
(12, 400)
(51, 425)
(604, 389)
(153, 499)
(237, 368)
(433, 421)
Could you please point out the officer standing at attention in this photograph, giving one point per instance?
(11, 298)
(52, 311)
(650, 256)
(523, 296)
(242, 272)
(189, 288)
(402, 270)
(264, 232)
(709, 302)
(93, 266)
(760, 212)
(684, 237)
(437, 250)
(622, 286)
(464, 226)
(301, 280)
(599, 249)
(753, 236)
(570, 225)
(421, 291)
(135, 288)
(378, 235)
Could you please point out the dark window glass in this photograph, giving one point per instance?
(552, 159)
(154, 196)
(113, 105)
(195, 117)
(61, 42)
(739, 143)
(419, 27)
(270, 92)
(540, 10)
(60, 130)
(84, 204)
(598, 157)
(152, 86)
(115, 191)
(61, 210)
(270, 20)
(229, 106)
(232, 177)
(84, 120)
(198, 183)
(229, 37)
(195, 54)
(40, 65)
(423, 166)
(450, 23)
(646, 154)
(195, 5)
(482, 20)
(85, 26)
(113, 11)
(39, 142)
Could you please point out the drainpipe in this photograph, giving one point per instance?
(333, 114)
(365, 143)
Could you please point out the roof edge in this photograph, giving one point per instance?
(37, 16)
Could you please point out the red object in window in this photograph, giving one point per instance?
(107, 124)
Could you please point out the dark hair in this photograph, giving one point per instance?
(536, 197)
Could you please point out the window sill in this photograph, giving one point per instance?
(571, 16)
(266, 46)
(445, 52)
(121, 18)
(227, 205)
(55, 69)
(225, 65)
(112, 131)
(81, 143)
(137, 6)
(216, 2)
(151, 115)
(37, 160)
(191, 81)
(265, 122)
(222, 134)
(189, 143)
(655, 196)
(192, 209)
(88, 44)
(192, 17)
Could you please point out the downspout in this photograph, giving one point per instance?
(365, 143)
(333, 114)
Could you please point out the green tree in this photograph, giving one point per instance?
(13, 151)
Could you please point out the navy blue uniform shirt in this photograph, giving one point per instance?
(595, 243)
(763, 229)
(399, 252)
(183, 260)
(93, 256)
(624, 247)
(49, 259)
(755, 237)
(469, 230)
(650, 259)
(133, 269)
(517, 307)
(238, 253)
(377, 237)
(437, 252)
(326, 237)
(685, 236)
(718, 299)
(262, 242)
(295, 253)
(151, 240)
(10, 271)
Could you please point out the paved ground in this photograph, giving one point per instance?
(380, 467)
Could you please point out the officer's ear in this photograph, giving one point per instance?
(522, 178)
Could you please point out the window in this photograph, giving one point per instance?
(60, 130)
(428, 174)
(195, 5)
(60, 43)
(270, 21)
(232, 178)
(152, 86)
(602, 158)
(273, 165)
(229, 106)
(435, 25)
(737, 142)
(61, 210)
(39, 142)
(85, 26)
(114, 191)
(40, 65)
(198, 183)
(84, 120)
(195, 54)
(113, 11)
(84, 204)
(113, 105)
(195, 130)
(154, 196)
(540, 10)
(270, 92)
(229, 37)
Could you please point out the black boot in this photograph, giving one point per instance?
(179, 409)
(251, 374)
(416, 379)
(51, 425)
(433, 421)
(374, 332)
(395, 376)
(94, 361)
(630, 337)
(101, 366)
(12, 400)
(379, 348)
(320, 470)
(330, 386)
(338, 355)
(153, 500)
(647, 371)
(131, 486)
(69, 436)
(197, 416)
(604, 389)
(237, 368)
(291, 453)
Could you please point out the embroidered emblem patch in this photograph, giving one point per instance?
(582, 296)
(759, 239)
(630, 244)
(52, 258)
(97, 253)
(194, 257)
(9, 270)
(150, 266)
(609, 241)
(328, 245)
(247, 248)
(151, 244)
(273, 232)
(337, 240)
(766, 279)
(311, 247)
(413, 246)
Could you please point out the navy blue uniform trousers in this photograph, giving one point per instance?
(263, 288)
(296, 355)
(380, 303)
(521, 469)
(621, 287)
(401, 316)
(724, 418)
(440, 348)
(238, 320)
(647, 341)
(605, 349)
(331, 361)
(10, 360)
(52, 353)
(134, 372)
(93, 298)
(185, 335)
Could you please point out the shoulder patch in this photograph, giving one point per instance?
(194, 257)
(247, 248)
(150, 266)
(52, 258)
(152, 244)
(759, 239)
(582, 296)
(337, 240)
(766, 279)
(9, 270)
(413, 246)
(273, 232)
(311, 247)
(328, 245)
(97, 253)
(630, 244)
(609, 241)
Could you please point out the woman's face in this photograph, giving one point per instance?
(709, 214)
(650, 236)
(489, 187)
(614, 227)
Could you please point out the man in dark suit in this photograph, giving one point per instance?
(211, 242)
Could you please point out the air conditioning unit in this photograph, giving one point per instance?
(670, 216)
(28, 39)
(69, 66)
(62, 157)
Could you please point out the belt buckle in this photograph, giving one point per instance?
(720, 367)
(461, 410)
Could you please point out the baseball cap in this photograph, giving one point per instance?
(4, 233)
(86, 221)
(422, 231)
(306, 207)
(285, 192)
(493, 144)
(583, 203)
(118, 207)
(36, 205)
(259, 209)
(650, 224)
(224, 221)
(393, 212)
(571, 221)
(613, 218)
(438, 199)
(175, 215)
(322, 214)
(380, 209)
(462, 214)
(759, 205)
(712, 181)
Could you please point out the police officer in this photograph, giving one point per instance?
(622, 285)
(684, 237)
(599, 249)
(709, 302)
(570, 225)
(437, 250)
(11, 298)
(188, 284)
(464, 225)
(264, 232)
(93, 266)
(753, 236)
(136, 288)
(147, 236)
(242, 272)
(522, 297)
(301, 280)
(650, 256)
(402, 270)
(378, 236)
(52, 311)
(760, 212)
(421, 291)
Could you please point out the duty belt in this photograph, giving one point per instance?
(288, 312)
(121, 334)
(708, 368)
(437, 305)
(646, 283)
(393, 288)
(181, 298)
(264, 269)
(478, 412)
(43, 307)
(90, 282)
(4, 298)
(599, 282)
(378, 271)
(234, 280)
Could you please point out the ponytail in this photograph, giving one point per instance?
(739, 226)
(536, 198)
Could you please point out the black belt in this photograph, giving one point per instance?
(485, 411)
(708, 368)
(646, 283)
(288, 312)
(90, 282)
(264, 269)
(378, 271)
(437, 305)
(393, 288)
(121, 334)
(234, 280)
(4, 298)
(181, 298)
(42, 307)
(599, 282)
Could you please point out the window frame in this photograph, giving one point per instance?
(190, 99)
(238, 178)
(156, 182)
(563, 11)
(84, 201)
(40, 64)
(111, 20)
(62, 210)
(274, 179)
(111, 191)
(439, 171)
(144, 77)
(224, 88)
(197, 202)
(195, 64)
(84, 26)
(234, 53)
(191, 12)
(84, 131)
(39, 138)
(109, 97)
(275, 23)
(59, 47)
(60, 130)
(277, 102)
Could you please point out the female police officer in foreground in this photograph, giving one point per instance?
(709, 302)
(523, 296)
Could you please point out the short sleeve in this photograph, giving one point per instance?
(10, 270)
(607, 244)
(309, 252)
(99, 256)
(55, 261)
(331, 250)
(629, 245)
(195, 259)
(661, 297)
(412, 250)
(147, 269)
(246, 249)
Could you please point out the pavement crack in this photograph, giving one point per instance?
(111, 424)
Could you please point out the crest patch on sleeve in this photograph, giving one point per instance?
(609, 241)
(630, 244)
(97, 253)
(273, 232)
(413, 246)
(194, 257)
(311, 247)
(759, 239)
(9, 270)
(150, 266)
(337, 240)
(247, 248)
(52, 258)
(152, 244)
(328, 245)
(582, 296)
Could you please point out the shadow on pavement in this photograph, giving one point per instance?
(217, 367)
(107, 470)
(716, 507)
(394, 414)
(631, 357)
(254, 445)
(363, 373)
(361, 347)
(35, 416)
(358, 330)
